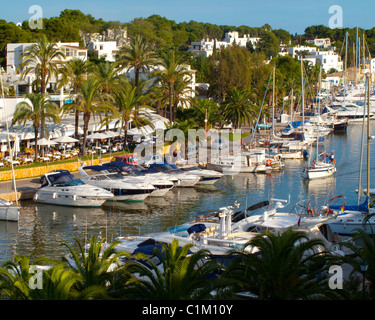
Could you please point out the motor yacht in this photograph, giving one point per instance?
(123, 189)
(170, 170)
(130, 173)
(60, 187)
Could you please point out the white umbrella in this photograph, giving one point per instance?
(111, 134)
(97, 135)
(16, 146)
(65, 139)
(44, 142)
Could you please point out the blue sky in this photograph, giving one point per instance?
(291, 15)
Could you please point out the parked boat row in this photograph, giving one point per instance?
(118, 181)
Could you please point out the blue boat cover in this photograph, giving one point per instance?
(361, 207)
(196, 228)
(294, 124)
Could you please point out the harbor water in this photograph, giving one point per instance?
(42, 229)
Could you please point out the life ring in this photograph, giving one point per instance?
(269, 162)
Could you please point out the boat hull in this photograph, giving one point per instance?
(9, 213)
(319, 173)
(349, 222)
(51, 197)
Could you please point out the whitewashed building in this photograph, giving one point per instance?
(206, 46)
(322, 43)
(329, 60)
(15, 50)
(107, 50)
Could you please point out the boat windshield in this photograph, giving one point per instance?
(66, 180)
(132, 171)
(192, 168)
(167, 168)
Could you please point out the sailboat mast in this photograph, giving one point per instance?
(273, 104)
(303, 97)
(318, 135)
(346, 61)
(368, 136)
(356, 55)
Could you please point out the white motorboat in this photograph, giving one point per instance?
(349, 111)
(254, 162)
(60, 187)
(172, 172)
(219, 234)
(207, 176)
(122, 188)
(9, 211)
(132, 174)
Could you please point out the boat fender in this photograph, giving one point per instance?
(75, 197)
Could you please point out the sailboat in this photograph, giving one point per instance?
(322, 166)
(8, 210)
(352, 217)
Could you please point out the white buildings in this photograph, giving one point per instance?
(14, 51)
(206, 46)
(329, 60)
(322, 43)
(107, 50)
(297, 50)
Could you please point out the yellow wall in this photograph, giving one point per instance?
(39, 171)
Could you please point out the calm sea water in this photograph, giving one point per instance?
(42, 229)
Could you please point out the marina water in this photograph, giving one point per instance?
(42, 229)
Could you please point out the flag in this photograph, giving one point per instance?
(342, 208)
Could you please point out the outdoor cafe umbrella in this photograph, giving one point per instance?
(44, 142)
(97, 136)
(65, 139)
(111, 134)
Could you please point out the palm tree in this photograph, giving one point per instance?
(139, 55)
(205, 109)
(107, 75)
(74, 72)
(238, 107)
(127, 102)
(91, 102)
(181, 276)
(288, 267)
(172, 70)
(40, 106)
(16, 276)
(95, 266)
(42, 59)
